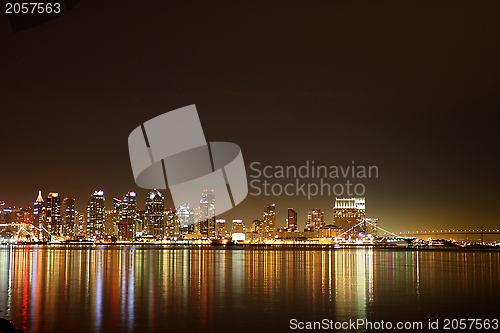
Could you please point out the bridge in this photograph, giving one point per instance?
(429, 233)
(453, 232)
(387, 234)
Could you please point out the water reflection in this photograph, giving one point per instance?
(159, 289)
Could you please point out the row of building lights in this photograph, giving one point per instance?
(433, 231)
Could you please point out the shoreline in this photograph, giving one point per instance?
(246, 246)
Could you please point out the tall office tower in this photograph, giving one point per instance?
(53, 221)
(140, 220)
(238, 227)
(111, 218)
(125, 231)
(79, 224)
(68, 216)
(128, 213)
(128, 207)
(154, 223)
(117, 205)
(172, 227)
(291, 221)
(186, 219)
(269, 221)
(95, 215)
(348, 212)
(39, 210)
(315, 220)
(220, 229)
(206, 214)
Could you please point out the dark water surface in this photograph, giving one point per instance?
(241, 289)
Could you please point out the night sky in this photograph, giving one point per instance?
(413, 89)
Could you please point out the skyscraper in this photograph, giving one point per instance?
(238, 227)
(155, 217)
(139, 222)
(128, 207)
(291, 221)
(172, 228)
(348, 212)
(68, 217)
(128, 212)
(220, 228)
(269, 221)
(116, 205)
(96, 215)
(186, 219)
(53, 214)
(39, 210)
(206, 214)
(79, 224)
(125, 231)
(315, 220)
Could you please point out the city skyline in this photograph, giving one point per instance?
(96, 209)
(55, 220)
(282, 222)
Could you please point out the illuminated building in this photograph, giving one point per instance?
(186, 219)
(116, 205)
(127, 213)
(154, 224)
(140, 220)
(2, 218)
(238, 227)
(68, 217)
(220, 228)
(348, 212)
(315, 220)
(21, 215)
(95, 215)
(330, 231)
(39, 210)
(111, 218)
(53, 222)
(15, 215)
(126, 231)
(206, 214)
(269, 221)
(79, 224)
(295, 235)
(6, 215)
(128, 207)
(370, 226)
(172, 227)
(28, 215)
(291, 221)
(257, 226)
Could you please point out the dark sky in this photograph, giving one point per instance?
(411, 88)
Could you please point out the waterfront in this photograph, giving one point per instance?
(154, 288)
